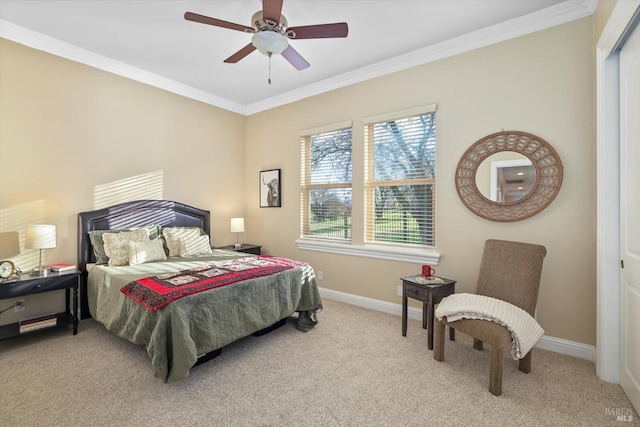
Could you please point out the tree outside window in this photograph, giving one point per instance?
(326, 185)
(400, 181)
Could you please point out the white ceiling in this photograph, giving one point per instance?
(150, 41)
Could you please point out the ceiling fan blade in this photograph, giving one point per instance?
(272, 9)
(321, 31)
(190, 16)
(294, 58)
(240, 54)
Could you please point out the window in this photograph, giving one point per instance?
(326, 183)
(392, 215)
(400, 172)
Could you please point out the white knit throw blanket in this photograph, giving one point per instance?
(525, 331)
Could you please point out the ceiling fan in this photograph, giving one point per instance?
(271, 34)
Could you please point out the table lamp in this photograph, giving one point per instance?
(237, 226)
(41, 237)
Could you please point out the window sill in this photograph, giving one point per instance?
(417, 256)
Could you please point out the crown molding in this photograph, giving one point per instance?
(65, 50)
(541, 20)
(556, 15)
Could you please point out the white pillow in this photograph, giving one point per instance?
(116, 245)
(194, 246)
(141, 252)
(172, 234)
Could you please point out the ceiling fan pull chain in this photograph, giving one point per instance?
(269, 68)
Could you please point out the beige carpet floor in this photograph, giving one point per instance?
(353, 369)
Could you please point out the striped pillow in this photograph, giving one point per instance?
(172, 234)
(142, 252)
(189, 246)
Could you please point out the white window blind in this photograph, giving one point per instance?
(325, 183)
(400, 173)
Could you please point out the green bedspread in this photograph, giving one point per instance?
(176, 335)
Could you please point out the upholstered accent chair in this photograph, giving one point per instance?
(509, 271)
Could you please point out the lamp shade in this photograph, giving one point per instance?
(237, 225)
(9, 244)
(269, 42)
(41, 237)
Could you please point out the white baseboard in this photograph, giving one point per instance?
(558, 345)
(572, 348)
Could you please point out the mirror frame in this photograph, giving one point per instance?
(543, 157)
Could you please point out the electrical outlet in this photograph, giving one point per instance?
(20, 305)
(320, 275)
(399, 290)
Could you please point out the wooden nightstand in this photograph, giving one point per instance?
(246, 247)
(29, 285)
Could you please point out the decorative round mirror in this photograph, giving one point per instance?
(509, 176)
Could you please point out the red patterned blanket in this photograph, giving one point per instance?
(157, 291)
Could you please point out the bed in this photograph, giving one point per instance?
(254, 296)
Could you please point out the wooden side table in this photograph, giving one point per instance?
(430, 295)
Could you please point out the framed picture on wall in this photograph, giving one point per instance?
(270, 196)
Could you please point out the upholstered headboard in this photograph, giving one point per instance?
(131, 214)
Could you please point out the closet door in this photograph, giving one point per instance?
(630, 217)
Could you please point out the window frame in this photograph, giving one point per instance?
(305, 178)
(370, 183)
(416, 255)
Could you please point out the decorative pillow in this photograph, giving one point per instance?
(116, 245)
(141, 252)
(194, 246)
(98, 244)
(172, 234)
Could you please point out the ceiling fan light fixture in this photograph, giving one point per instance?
(270, 42)
(271, 34)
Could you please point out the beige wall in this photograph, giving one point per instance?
(542, 83)
(600, 17)
(67, 130)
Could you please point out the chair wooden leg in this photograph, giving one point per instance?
(495, 371)
(477, 344)
(438, 340)
(525, 363)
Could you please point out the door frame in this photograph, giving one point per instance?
(608, 191)
(495, 169)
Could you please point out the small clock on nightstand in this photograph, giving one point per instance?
(7, 270)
